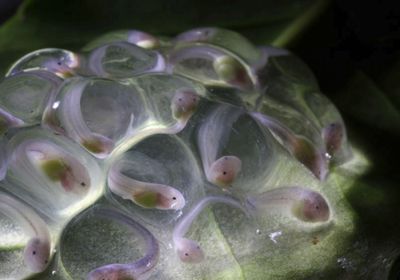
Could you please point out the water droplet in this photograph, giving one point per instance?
(274, 235)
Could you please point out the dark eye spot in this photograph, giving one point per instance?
(224, 172)
(174, 198)
(179, 99)
(83, 184)
(59, 63)
(186, 254)
(34, 253)
(317, 207)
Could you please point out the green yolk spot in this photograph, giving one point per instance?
(146, 199)
(54, 169)
(226, 67)
(298, 211)
(92, 146)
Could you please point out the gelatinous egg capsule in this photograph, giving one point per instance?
(224, 171)
(37, 252)
(184, 103)
(123, 60)
(61, 62)
(226, 39)
(60, 167)
(133, 270)
(211, 65)
(189, 251)
(300, 147)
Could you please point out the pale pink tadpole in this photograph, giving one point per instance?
(300, 147)
(304, 204)
(37, 252)
(55, 164)
(224, 171)
(144, 194)
(76, 128)
(211, 137)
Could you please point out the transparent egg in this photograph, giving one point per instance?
(58, 61)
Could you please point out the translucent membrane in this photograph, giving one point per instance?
(170, 103)
(291, 84)
(224, 38)
(123, 60)
(150, 182)
(26, 94)
(211, 66)
(37, 252)
(96, 113)
(53, 174)
(134, 253)
(58, 61)
(226, 160)
(136, 37)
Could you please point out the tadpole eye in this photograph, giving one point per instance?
(59, 63)
(83, 184)
(174, 198)
(34, 253)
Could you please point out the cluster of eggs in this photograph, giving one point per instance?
(79, 127)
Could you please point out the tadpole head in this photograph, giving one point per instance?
(224, 170)
(184, 103)
(37, 254)
(172, 199)
(189, 251)
(311, 207)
